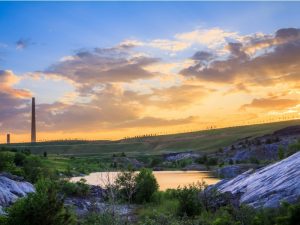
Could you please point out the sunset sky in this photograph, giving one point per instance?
(105, 70)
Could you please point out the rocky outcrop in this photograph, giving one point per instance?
(12, 188)
(126, 162)
(232, 171)
(229, 171)
(95, 202)
(195, 167)
(292, 130)
(268, 186)
(180, 155)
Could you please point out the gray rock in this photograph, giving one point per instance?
(196, 167)
(268, 186)
(12, 188)
(180, 155)
(229, 171)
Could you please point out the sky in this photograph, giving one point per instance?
(108, 70)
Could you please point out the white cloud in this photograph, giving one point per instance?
(211, 38)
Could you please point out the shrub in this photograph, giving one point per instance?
(101, 219)
(293, 148)
(202, 160)
(280, 152)
(19, 159)
(126, 185)
(212, 161)
(146, 186)
(43, 207)
(189, 203)
(33, 168)
(79, 189)
(7, 161)
(254, 160)
(155, 161)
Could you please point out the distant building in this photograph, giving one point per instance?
(8, 139)
(33, 126)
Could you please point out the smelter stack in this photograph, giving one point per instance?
(7, 138)
(33, 127)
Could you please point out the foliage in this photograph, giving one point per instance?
(33, 168)
(126, 185)
(79, 189)
(146, 186)
(19, 159)
(7, 161)
(102, 219)
(280, 152)
(42, 207)
(189, 204)
(293, 148)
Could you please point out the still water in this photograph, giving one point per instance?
(165, 179)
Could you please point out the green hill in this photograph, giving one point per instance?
(203, 141)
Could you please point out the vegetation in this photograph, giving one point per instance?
(44, 206)
(78, 189)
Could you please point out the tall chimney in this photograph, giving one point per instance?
(8, 138)
(33, 127)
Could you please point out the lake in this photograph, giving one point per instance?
(165, 179)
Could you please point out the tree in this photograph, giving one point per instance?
(280, 152)
(126, 184)
(19, 159)
(146, 186)
(45, 154)
(189, 203)
(43, 207)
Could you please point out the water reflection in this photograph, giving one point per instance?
(165, 179)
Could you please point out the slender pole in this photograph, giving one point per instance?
(33, 127)
(8, 138)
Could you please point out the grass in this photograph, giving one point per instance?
(97, 155)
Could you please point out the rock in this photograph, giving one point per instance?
(12, 188)
(126, 162)
(292, 130)
(1, 211)
(158, 168)
(268, 186)
(196, 167)
(229, 171)
(180, 155)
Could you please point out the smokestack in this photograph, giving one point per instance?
(33, 127)
(8, 139)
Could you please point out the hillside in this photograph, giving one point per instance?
(200, 141)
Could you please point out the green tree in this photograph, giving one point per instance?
(146, 185)
(126, 184)
(7, 161)
(189, 203)
(280, 152)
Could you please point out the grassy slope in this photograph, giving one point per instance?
(209, 140)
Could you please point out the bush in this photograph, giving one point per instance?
(189, 202)
(293, 148)
(19, 159)
(101, 219)
(212, 161)
(7, 161)
(78, 189)
(43, 207)
(126, 185)
(280, 152)
(202, 160)
(33, 168)
(146, 186)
